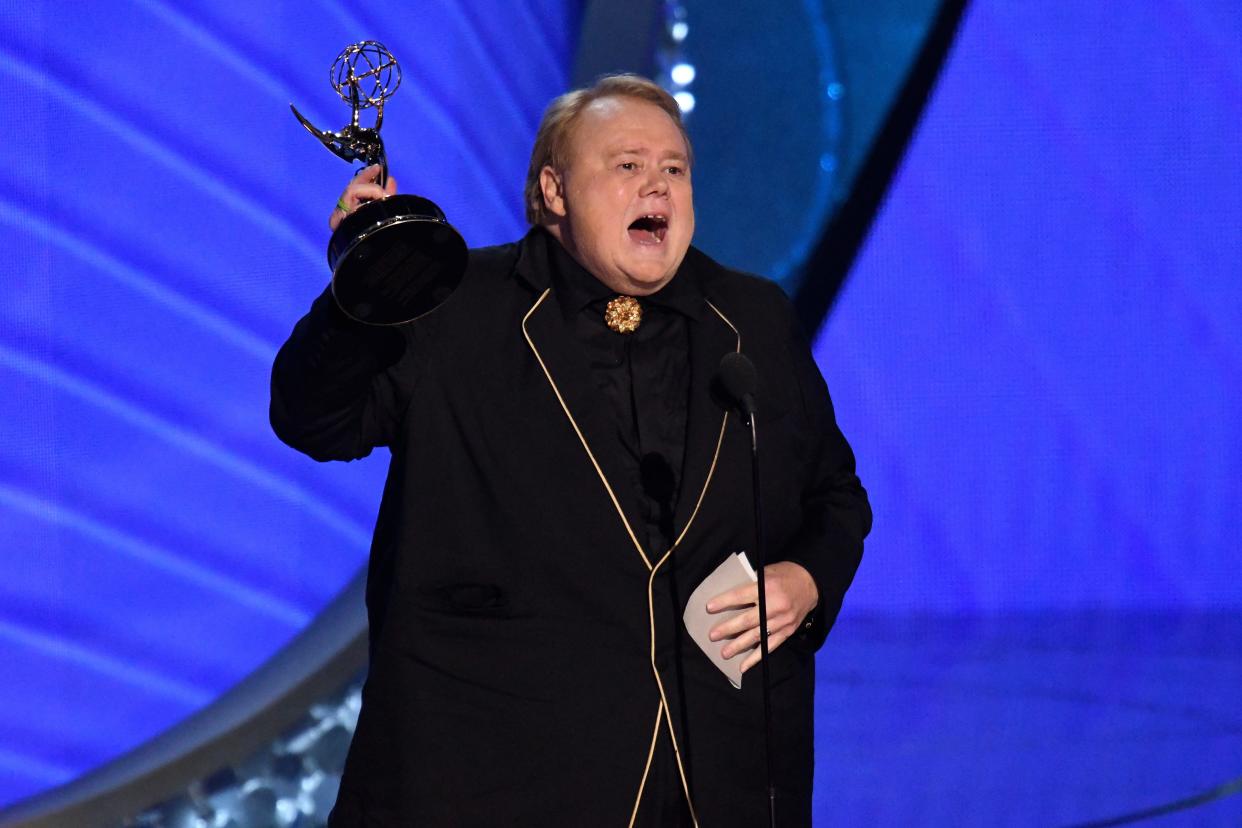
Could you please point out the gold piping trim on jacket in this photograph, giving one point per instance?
(685, 785)
(660, 711)
(655, 735)
(581, 437)
(711, 471)
(655, 671)
(727, 322)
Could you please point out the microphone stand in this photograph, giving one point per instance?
(760, 564)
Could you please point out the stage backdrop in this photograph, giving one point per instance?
(1038, 355)
(164, 222)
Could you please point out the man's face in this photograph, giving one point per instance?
(624, 202)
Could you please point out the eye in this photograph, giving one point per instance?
(628, 166)
(676, 170)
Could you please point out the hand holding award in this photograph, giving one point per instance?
(396, 257)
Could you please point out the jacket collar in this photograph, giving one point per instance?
(544, 263)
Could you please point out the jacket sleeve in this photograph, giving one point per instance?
(340, 388)
(836, 512)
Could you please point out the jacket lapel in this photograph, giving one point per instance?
(711, 337)
(563, 364)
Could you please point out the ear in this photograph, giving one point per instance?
(553, 186)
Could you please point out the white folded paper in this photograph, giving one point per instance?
(733, 572)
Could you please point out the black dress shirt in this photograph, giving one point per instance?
(643, 376)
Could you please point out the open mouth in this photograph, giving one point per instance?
(649, 229)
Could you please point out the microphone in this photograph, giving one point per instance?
(738, 378)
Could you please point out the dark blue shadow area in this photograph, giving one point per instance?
(1027, 719)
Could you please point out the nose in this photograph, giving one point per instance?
(656, 183)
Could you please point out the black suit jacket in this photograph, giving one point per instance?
(526, 649)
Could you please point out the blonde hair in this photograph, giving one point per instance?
(552, 141)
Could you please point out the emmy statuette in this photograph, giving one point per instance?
(394, 259)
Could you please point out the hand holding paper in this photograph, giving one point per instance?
(792, 595)
(724, 609)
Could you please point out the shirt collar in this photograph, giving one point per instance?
(575, 288)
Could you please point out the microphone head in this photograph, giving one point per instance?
(738, 379)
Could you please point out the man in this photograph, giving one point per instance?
(562, 477)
